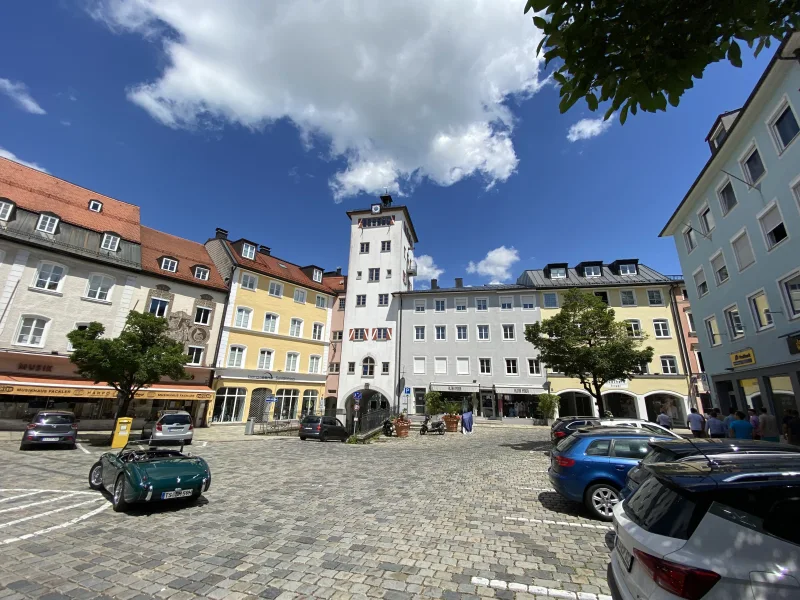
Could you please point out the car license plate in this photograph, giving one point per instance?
(50, 439)
(624, 556)
(176, 494)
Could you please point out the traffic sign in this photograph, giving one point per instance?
(356, 407)
(407, 391)
(356, 395)
(269, 399)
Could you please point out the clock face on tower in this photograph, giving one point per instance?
(376, 209)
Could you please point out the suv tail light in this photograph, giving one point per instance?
(158, 426)
(319, 427)
(74, 426)
(560, 434)
(685, 582)
(31, 426)
(563, 461)
(191, 427)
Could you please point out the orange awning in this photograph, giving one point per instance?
(77, 388)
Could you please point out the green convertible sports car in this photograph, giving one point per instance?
(132, 475)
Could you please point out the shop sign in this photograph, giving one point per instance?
(35, 367)
(261, 376)
(617, 384)
(57, 392)
(794, 343)
(743, 358)
(168, 395)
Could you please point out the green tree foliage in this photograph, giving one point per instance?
(141, 355)
(643, 54)
(548, 403)
(586, 342)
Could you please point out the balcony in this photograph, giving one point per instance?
(412, 268)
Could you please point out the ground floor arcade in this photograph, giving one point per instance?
(489, 401)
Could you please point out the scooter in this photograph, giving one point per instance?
(388, 428)
(428, 427)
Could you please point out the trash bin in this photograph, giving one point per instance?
(250, 426)
(122, 431)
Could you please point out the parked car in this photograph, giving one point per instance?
(654, 428)
(716, 532)
(322, 428)
(565, 427)
(697, 449)
(590, 466)
(149, 475)
(50, 428)
(169, 426)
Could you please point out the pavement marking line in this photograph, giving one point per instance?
(74, 521)
(56, 491)
(536, 590)
(49, 512)
(85, 451)
(20, 496)
(549, 522)
(21, 506)
(205, 444)
(529, 489)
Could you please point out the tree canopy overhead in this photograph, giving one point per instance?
(644, 54)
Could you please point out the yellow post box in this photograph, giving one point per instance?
(121, 432)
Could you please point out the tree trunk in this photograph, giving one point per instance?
(122, 406)
(598, 396)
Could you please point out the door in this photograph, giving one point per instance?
(595, 463)
(487, 405)
(109, 462)
(341, 431)
(419, 401)
(625, 454)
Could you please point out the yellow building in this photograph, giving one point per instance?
(645, 300)
(273, 351)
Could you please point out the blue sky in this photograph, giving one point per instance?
(153, 105)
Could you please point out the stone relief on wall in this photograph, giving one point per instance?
(183, 329)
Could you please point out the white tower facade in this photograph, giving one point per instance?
(380, 264)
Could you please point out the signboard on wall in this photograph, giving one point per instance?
(617, 384)
(743, 358)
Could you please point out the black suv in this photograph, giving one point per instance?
(566, 426)
(322, 428)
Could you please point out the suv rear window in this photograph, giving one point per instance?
(310, 419)
(566, 443)
(662, 510)
(55, 420)
(176, 420)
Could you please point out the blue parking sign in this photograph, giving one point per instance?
(356, 395)
(407, 391)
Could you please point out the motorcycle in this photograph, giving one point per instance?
(428, 427)
(388, 428)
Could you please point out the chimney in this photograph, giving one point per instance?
(221, 234)
(434, 284)
(459, 282)
(264, 250)
(338, 270)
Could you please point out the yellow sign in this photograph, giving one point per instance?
(167, 395)
(59, 392)
(743, 358)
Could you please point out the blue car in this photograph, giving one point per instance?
(591, 466)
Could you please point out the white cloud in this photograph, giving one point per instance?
(18, 92)
(402, 90)
(588, 128)
(496, 265)
(11, 156)
(427, 269)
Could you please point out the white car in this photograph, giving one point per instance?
(726, 530)
(640, 424)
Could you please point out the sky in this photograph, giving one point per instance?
(272, 119)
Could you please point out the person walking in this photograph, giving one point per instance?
(729, 419)
(753, 418)
(664, 419)
(741, 429)
(768, 427)
(716, 428)
(697, 423)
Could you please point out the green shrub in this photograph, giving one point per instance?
(548, 403)
(434, 403)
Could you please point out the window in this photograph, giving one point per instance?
(31, 331)
(734, 322)
(195, 355)
(558, 273)
(598, 448)
(743, 250)
(382, 333)
(249, 282)
(784, 127)
(299, 296)
(169, 264)
(322, 302)
(275, 289)
(361, 300)
(364, 248)
(753, 167)
(669, 366)
(271, 323)
(508, 332)
(528, 303)
(506, 303)
(47, 224)
(158, 307)
(358, 274)
(700, 282)
(384, 368)
(654, 298)
(483, 333)
(689, 239)
(661, 327)
(438, 305)
(236, 356)
(419, 365)
(772, 226)
(690, 319)
(386, 246)
(627, 298)
(229, 405)
(634, 328)
(309, 406)
(383, 299)
(317, 275)
(99, 286)
(550, 300)
(481, 304)
(603, 296)
(636, 449)
(292, 359)
(374, 274)
(317, 331)
(441, 332)
(511, 366)
(719, 268)
(5, 210)
(368, 367)
(333, 368)
(534, 366)
(359, 334)
(95, 205)
(49, 277)
(440, 365)
(791, 293)
(314, 364)
(685, 294)
(713, 331)
(79, 327)
(462, 365)
(265, 359)
(706, 220)
(248, 251)
(461, 333)
(591, 271)
(627, 269)
(719, 136)
(419, 333)
(201, 273)
(342, 303)
(727, 198)
(419, 306)
(338, 336)
(351, 368)
(243, 315)
(486, 366)
(110, 242)
(202, 315)
(388, 273)
(296, 327)
(759, 305)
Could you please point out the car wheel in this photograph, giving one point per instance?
(601, 499)
(24, 447)
(118, 500)
(302, 438)
(96, 476)
(323, 437)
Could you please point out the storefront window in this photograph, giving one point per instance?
(752, 393)
(309, 402)
(520, 405)
(286, 404)
(229, 405)
(782, 395)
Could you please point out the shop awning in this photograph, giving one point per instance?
(518, 389)
(455, 387)
(76, 388)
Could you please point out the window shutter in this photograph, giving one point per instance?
(389, 333)
(744, 253)
(392, 219)
(374, 334)
(352, 335)
(771, 220)
(359, 224)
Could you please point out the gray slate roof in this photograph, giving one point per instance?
(536, 278)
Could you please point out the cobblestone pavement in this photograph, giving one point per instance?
(432, 517)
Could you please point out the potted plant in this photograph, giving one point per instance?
(548, 403)
(451, 416)
(402, 425)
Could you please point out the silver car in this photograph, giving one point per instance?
(172, 426)
(50, 428)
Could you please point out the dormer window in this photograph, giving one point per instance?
(47, 224)
(110, 242)
(718, 136)
(627, 269)
(248, 251)
(558, 273)
(201, 273)
(591, 271)
(169, 264)
(317, 275)
(5, 210)
(95, 206)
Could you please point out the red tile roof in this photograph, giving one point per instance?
(338, 283)
(156, 244)
(271, 265)
(39, 192)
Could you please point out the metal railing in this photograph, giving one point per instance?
(675, 277)
(372, 420)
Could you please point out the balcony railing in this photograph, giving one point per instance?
(675, 277)
(412, 268)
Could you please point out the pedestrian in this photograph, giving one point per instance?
(768, 427)
(697, 423)
(729, 419)
(793, 429)
(741, 429)
(753, 417)
(664, 419)
(716, 428)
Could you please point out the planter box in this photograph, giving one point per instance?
(451, 423)
(402, 428)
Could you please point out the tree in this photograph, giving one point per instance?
(641, 54)
(141, 355)
(585, 341)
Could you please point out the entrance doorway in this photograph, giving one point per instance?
(488, 407)
(574, 404)
(330, 406)
(419, 401)
(620, 405)
(673, 405)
